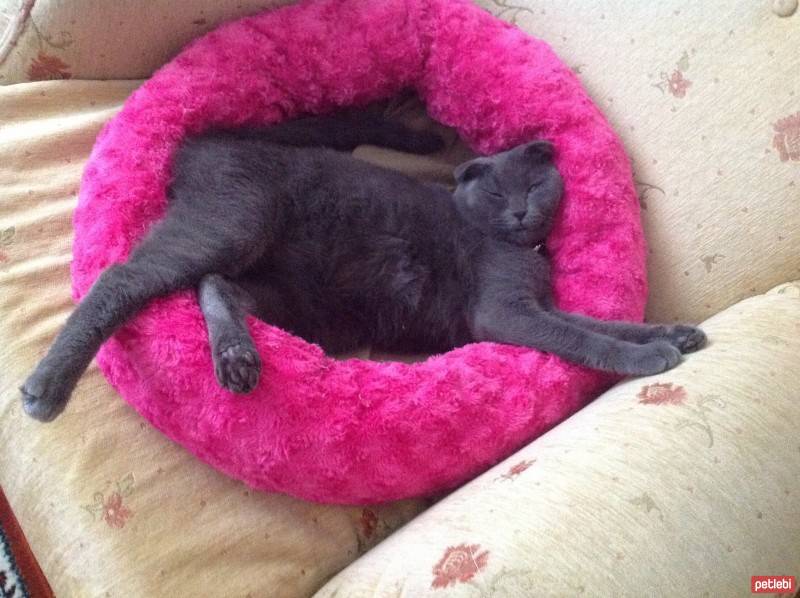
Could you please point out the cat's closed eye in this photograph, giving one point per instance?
(534, 186)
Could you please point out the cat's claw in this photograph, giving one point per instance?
(238, 368)
(687, 338)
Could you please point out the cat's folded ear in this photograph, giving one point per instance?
(472, 170)
(538, 151)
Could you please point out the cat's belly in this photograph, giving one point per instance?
(354, 297)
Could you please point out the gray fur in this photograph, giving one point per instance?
(275, 223)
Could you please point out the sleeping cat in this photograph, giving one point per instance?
(279, 224)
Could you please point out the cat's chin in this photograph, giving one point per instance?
(522, 237)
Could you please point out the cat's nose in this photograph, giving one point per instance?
(520, 214)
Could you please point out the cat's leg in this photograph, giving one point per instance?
(686, 338)
(175, 255)
(225, 306)
(348, 130)
(544, 331)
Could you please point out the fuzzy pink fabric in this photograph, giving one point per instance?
(358, 431)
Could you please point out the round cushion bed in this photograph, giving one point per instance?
(357, 431)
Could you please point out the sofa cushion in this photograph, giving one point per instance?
(98, 39)
(108, 503)
(682, 484)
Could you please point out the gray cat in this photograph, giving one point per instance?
(276, 223)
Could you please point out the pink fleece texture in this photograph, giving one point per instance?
(356, 431)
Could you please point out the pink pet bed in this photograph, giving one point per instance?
(358, 431)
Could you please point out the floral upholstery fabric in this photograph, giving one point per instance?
(109, 505)
(681, 484)
(96, 39)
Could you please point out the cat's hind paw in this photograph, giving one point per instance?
(238, 368)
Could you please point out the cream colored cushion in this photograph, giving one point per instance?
(683, 484)
(108, 503)
(102, 39)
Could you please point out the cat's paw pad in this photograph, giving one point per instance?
(44, 396)
(238, 368)
(687, 338)
(656, 357)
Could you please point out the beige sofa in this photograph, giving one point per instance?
(683, 484)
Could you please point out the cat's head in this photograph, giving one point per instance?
(513, 195)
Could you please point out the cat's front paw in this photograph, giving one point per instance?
(654, 358)
(238, 368)
(686, 338)
(44, 395)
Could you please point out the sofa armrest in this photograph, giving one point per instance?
(683, 484)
